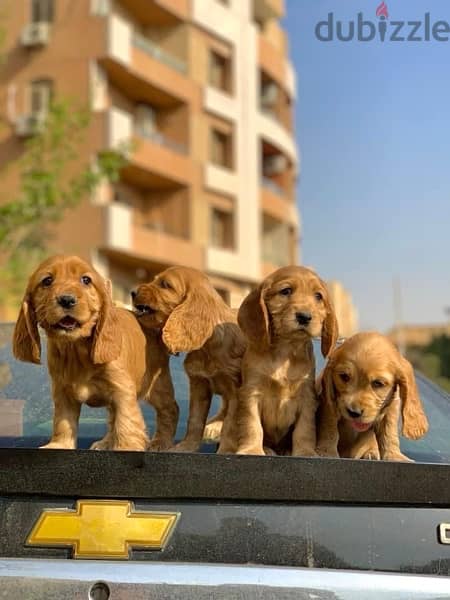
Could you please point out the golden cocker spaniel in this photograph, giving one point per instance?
(182, 304)
(96, 352)
(278, 400)
(362, 389)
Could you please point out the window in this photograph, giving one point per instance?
(146, 121)
(41, 11)
(269, 94)
(219, 71)
(275, 241)
(221, 149)
(40, 96)
(222, 229)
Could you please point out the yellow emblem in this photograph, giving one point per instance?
(103, 529)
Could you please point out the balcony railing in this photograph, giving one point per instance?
(158, 53)
(159, 138)
(272, 186)
(165, 229)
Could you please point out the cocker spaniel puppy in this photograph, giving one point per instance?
(96, 352)
(362, 389)
(184, 307)
(278, 398)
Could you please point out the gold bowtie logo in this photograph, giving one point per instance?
(103, 529)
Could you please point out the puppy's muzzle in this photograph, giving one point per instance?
(144, 309)
(303, 318)
(354, 414)
(66, 301)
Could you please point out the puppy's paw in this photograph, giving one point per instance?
(252, 451)
(305, 452)
(186, 446)
(226, 449)
(269, 452)
(212, 431)
(371, 454)
(327, 451)
(159, 445)
(103, 444)
(57, 446)
(397, 456)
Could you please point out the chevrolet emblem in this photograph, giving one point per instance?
(103, 529)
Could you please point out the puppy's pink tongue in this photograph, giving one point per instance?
(361, 426)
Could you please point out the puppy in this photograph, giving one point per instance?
(184, 307)
(96, 351)
(362, 389)
(278, 398)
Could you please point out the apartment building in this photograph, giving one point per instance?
(206, 92)
(346, 313)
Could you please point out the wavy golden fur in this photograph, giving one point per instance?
(278, 399)
(96, 352)
(182, 304)
(363, 388)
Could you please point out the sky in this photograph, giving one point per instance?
(373, 128)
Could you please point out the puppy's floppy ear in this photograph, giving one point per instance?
(325, 386)
(330, 330)
(26, 340)
(193, 321)
(107, 341)
(415, 422)
(108, 286)
(253, 318)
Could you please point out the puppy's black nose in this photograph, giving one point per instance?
(303, 318)
(133, 294)
(355, 414)
(67, 301)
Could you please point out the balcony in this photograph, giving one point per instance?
(143, 69)
(166, 248)
(275, 242)
(275, 134)
(153, 50)
(138, 245)
(155, 161)
(272, 186)
(157, 12)
(159, 138)
(278, 206)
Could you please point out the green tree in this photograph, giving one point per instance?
(433, 360)
(47, 191)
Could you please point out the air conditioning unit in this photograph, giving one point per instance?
(35, 34)
(275, 164)
(28, 125)
(146, 120)
(269, 94)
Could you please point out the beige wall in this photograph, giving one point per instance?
(346, 312)
(417, 335)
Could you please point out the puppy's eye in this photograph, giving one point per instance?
(377, 383)
(318, 296)
(345, 377)
(287, 291)
(165, 284)
(86, 280)
(47, 281)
